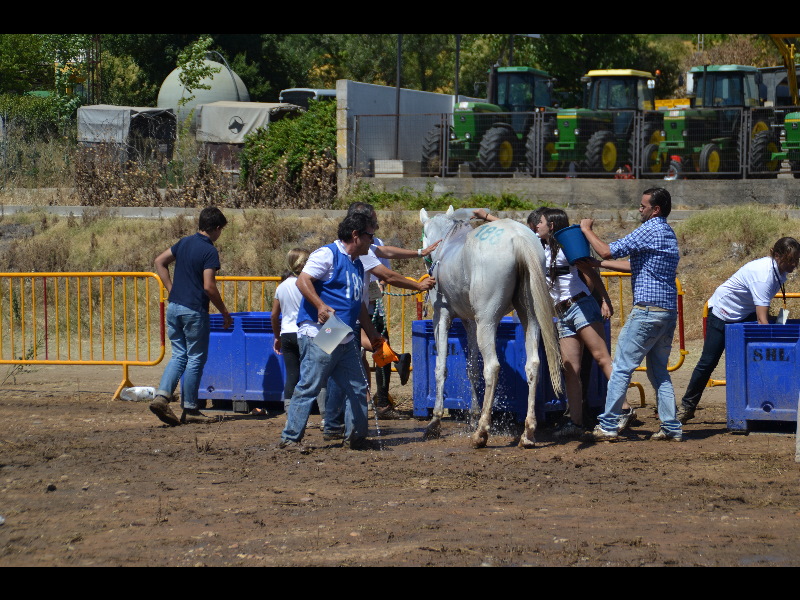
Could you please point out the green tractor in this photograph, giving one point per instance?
(707, 138)
(603, 136)
(490, 136)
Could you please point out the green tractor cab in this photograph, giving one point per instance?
(599, 137)
(707, 137)
(490, 136)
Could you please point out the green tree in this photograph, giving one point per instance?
(23, 64)
(194, 69)
(124, 83)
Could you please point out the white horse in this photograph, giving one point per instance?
(481, 274)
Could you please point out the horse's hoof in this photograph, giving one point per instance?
(432, 432)
(479, 440)
(526, 443)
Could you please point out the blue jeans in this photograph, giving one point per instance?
(189, 331)
(647, 335)
(344, 367)
(713, 347)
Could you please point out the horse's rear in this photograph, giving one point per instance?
(505, 264)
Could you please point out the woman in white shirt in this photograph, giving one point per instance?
(580, 319)
(744, 297)
(286, 304)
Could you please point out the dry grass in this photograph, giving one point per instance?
(714, 244)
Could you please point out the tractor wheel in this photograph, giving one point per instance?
(675, 170)
(652, 161)
(601, 153)
(433, 152)
(761, 164)
(651, 134)
(497, 154)
(794, 165)
(710, 161)
(549, 167)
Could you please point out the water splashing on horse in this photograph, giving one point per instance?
(482, 274)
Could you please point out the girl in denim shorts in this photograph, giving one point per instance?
(580, 319)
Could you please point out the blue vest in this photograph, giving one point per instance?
(342, 292)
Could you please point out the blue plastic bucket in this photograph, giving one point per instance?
(573, 242)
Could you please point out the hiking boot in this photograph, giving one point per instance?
(601, 435)
(160, 408)
(569, 430)
(404, 367)
(684, 414)
(293, 446)
(664, 436)
(389, 413)
(193, 415)
(625, 420)
(332, 436)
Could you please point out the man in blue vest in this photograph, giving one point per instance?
(333, 282)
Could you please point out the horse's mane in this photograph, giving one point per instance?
(453, 238)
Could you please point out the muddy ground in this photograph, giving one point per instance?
(89, 481)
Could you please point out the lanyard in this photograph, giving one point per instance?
(777, 276)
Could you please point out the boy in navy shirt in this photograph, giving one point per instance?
(191, 288)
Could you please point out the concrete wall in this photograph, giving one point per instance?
(611, 194)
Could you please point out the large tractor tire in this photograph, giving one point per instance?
(498, 152)
(433, 151)
(761, 164)
(601, 153)
(710, 162)
(651, 134)
(652, 161)
(549, 167)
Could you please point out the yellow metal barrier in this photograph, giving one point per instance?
(114, 318)
(249, 293)
(607, 275)
(623, 300)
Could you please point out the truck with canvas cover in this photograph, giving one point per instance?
(726, 123)
(490, 136)
(602, 136)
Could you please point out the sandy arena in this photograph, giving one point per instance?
(90, 481)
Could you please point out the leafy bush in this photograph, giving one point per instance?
(288, 145)
(38, 117)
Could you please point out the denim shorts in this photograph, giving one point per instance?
(581, 314)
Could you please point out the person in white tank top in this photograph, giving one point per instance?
(580, 320)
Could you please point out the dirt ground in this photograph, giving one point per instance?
(89, 481)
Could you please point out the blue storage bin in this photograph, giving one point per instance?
(512, 387)
(242, 366)
(761, 367)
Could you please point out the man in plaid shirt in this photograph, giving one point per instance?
(652, 249)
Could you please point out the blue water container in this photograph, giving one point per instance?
(242, 366)
(574, 243)
(512, 387)
(761, 367)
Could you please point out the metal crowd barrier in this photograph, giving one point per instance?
(113, 318)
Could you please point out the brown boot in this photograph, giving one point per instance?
(160, 408)
(193, 415)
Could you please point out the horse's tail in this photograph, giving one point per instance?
(542, 306)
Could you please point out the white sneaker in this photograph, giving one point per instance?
(625, 420)
(601, 435)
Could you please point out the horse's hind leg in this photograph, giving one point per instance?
(531, 329)
(442, 326)
(486, 334)
(473, 372)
